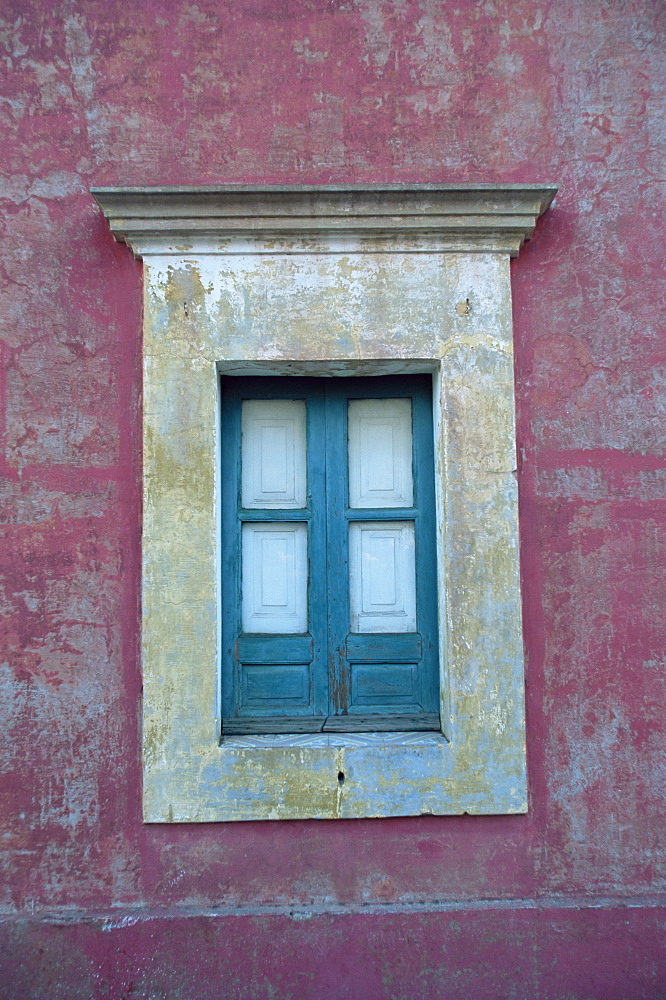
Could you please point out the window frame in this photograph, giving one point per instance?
(355, 280)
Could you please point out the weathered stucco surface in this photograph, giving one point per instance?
(361, 306)
(286, 92)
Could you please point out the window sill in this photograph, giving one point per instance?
(342, 740)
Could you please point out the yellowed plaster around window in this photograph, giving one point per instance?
(329, 306)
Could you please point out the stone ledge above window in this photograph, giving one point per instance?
(331, 280)
(468, 218)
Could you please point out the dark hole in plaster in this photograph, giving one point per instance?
(341, 777)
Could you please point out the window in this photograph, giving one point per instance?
(329, 536)
(331, 283)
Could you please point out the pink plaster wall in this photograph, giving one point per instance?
(288, 91)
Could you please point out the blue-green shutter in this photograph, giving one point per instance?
(329, 679)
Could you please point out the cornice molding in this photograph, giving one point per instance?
(456, 217)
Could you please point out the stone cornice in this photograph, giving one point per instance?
(456, 217)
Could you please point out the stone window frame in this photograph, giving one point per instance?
(330, 280)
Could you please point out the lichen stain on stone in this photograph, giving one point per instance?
(281, 784)
(187, 478)
(185, 296)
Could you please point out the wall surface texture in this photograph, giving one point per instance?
(563, 902)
